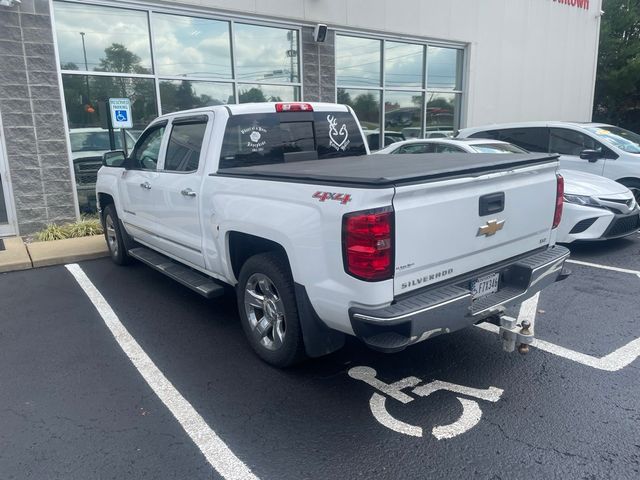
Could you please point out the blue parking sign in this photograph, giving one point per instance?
(121, 115)
(120, 112)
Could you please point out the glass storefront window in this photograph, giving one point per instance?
(403, 65)
(248, 93)
(191, 47)
(444, 68)
(82, 95)
(358, 61)
(104, 39)
(403, 115)
(265, 53)
(442, 113)
(366, 105)
(185, 94)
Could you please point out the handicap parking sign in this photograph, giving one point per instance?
(120, 109)
(121, 115)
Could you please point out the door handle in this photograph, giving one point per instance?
(187, 192)
(146, 185)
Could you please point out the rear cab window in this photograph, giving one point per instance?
(268, 138)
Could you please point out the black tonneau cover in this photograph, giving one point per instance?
(389, 170)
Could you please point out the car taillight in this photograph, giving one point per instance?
(557, 217)
(367, 244)
(294, 107)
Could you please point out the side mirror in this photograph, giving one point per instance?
(591, 155)
(114, 158)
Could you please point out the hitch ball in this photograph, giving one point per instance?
(523, 348)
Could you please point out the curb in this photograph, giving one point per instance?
(21, 256)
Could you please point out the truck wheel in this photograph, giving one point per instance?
(113, 235)
(268, 310)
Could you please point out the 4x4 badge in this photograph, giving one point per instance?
(491, 228)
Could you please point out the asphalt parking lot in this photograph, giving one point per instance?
(126, 374)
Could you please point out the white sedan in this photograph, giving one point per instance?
(595, 208)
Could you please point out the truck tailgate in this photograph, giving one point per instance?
(441, 234)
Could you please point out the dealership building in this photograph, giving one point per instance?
(409, 68)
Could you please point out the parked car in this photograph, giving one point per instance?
(373, 138)
(87, 147)
(596, 148)
(322, 240)
(595, 208)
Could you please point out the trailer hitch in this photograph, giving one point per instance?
(514, 334)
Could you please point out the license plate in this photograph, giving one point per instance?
(485, 286)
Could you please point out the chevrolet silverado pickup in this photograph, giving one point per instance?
(321, 239)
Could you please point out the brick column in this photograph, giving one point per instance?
(318, 67)
(32, 117)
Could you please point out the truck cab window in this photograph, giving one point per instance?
(147, 150)
(185, 144)
(263, 139)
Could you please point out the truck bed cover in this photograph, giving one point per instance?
(389, 170)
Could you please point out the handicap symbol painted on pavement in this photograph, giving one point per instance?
(121, 115)
(471, 412)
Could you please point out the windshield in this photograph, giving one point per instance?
(618, 137)
(497, 148)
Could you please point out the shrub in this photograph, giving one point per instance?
(86, 227)
(51, 232)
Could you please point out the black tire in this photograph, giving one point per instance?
(634, 186)
(113, 236)
(281, 343)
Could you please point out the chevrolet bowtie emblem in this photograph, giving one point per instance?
(491, 228)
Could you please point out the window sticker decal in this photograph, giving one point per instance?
(338, 139)
(257, 137)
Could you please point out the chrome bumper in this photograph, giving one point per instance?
(434, 311)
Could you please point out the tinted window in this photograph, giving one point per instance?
(147, 150)
(261, 139)
(534, 139)
(448, 149)
(490, 134)
(570, 142)
(417, 148)
(185, 143)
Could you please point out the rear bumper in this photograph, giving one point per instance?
(438, 310)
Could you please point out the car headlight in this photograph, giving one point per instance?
(581, 200)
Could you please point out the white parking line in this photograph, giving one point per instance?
(605, 267)
(212, 447)
(612, 362)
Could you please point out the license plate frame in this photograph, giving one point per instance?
(485, 285)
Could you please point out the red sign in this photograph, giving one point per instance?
(584, 4)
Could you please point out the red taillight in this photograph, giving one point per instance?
(294, 107)
(559, 201)
(367, 244)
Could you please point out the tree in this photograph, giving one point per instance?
(617, 94)
(252, 95)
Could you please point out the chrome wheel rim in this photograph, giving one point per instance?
(112, 239)
(265, 311)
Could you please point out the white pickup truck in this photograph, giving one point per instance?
(322, 240)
